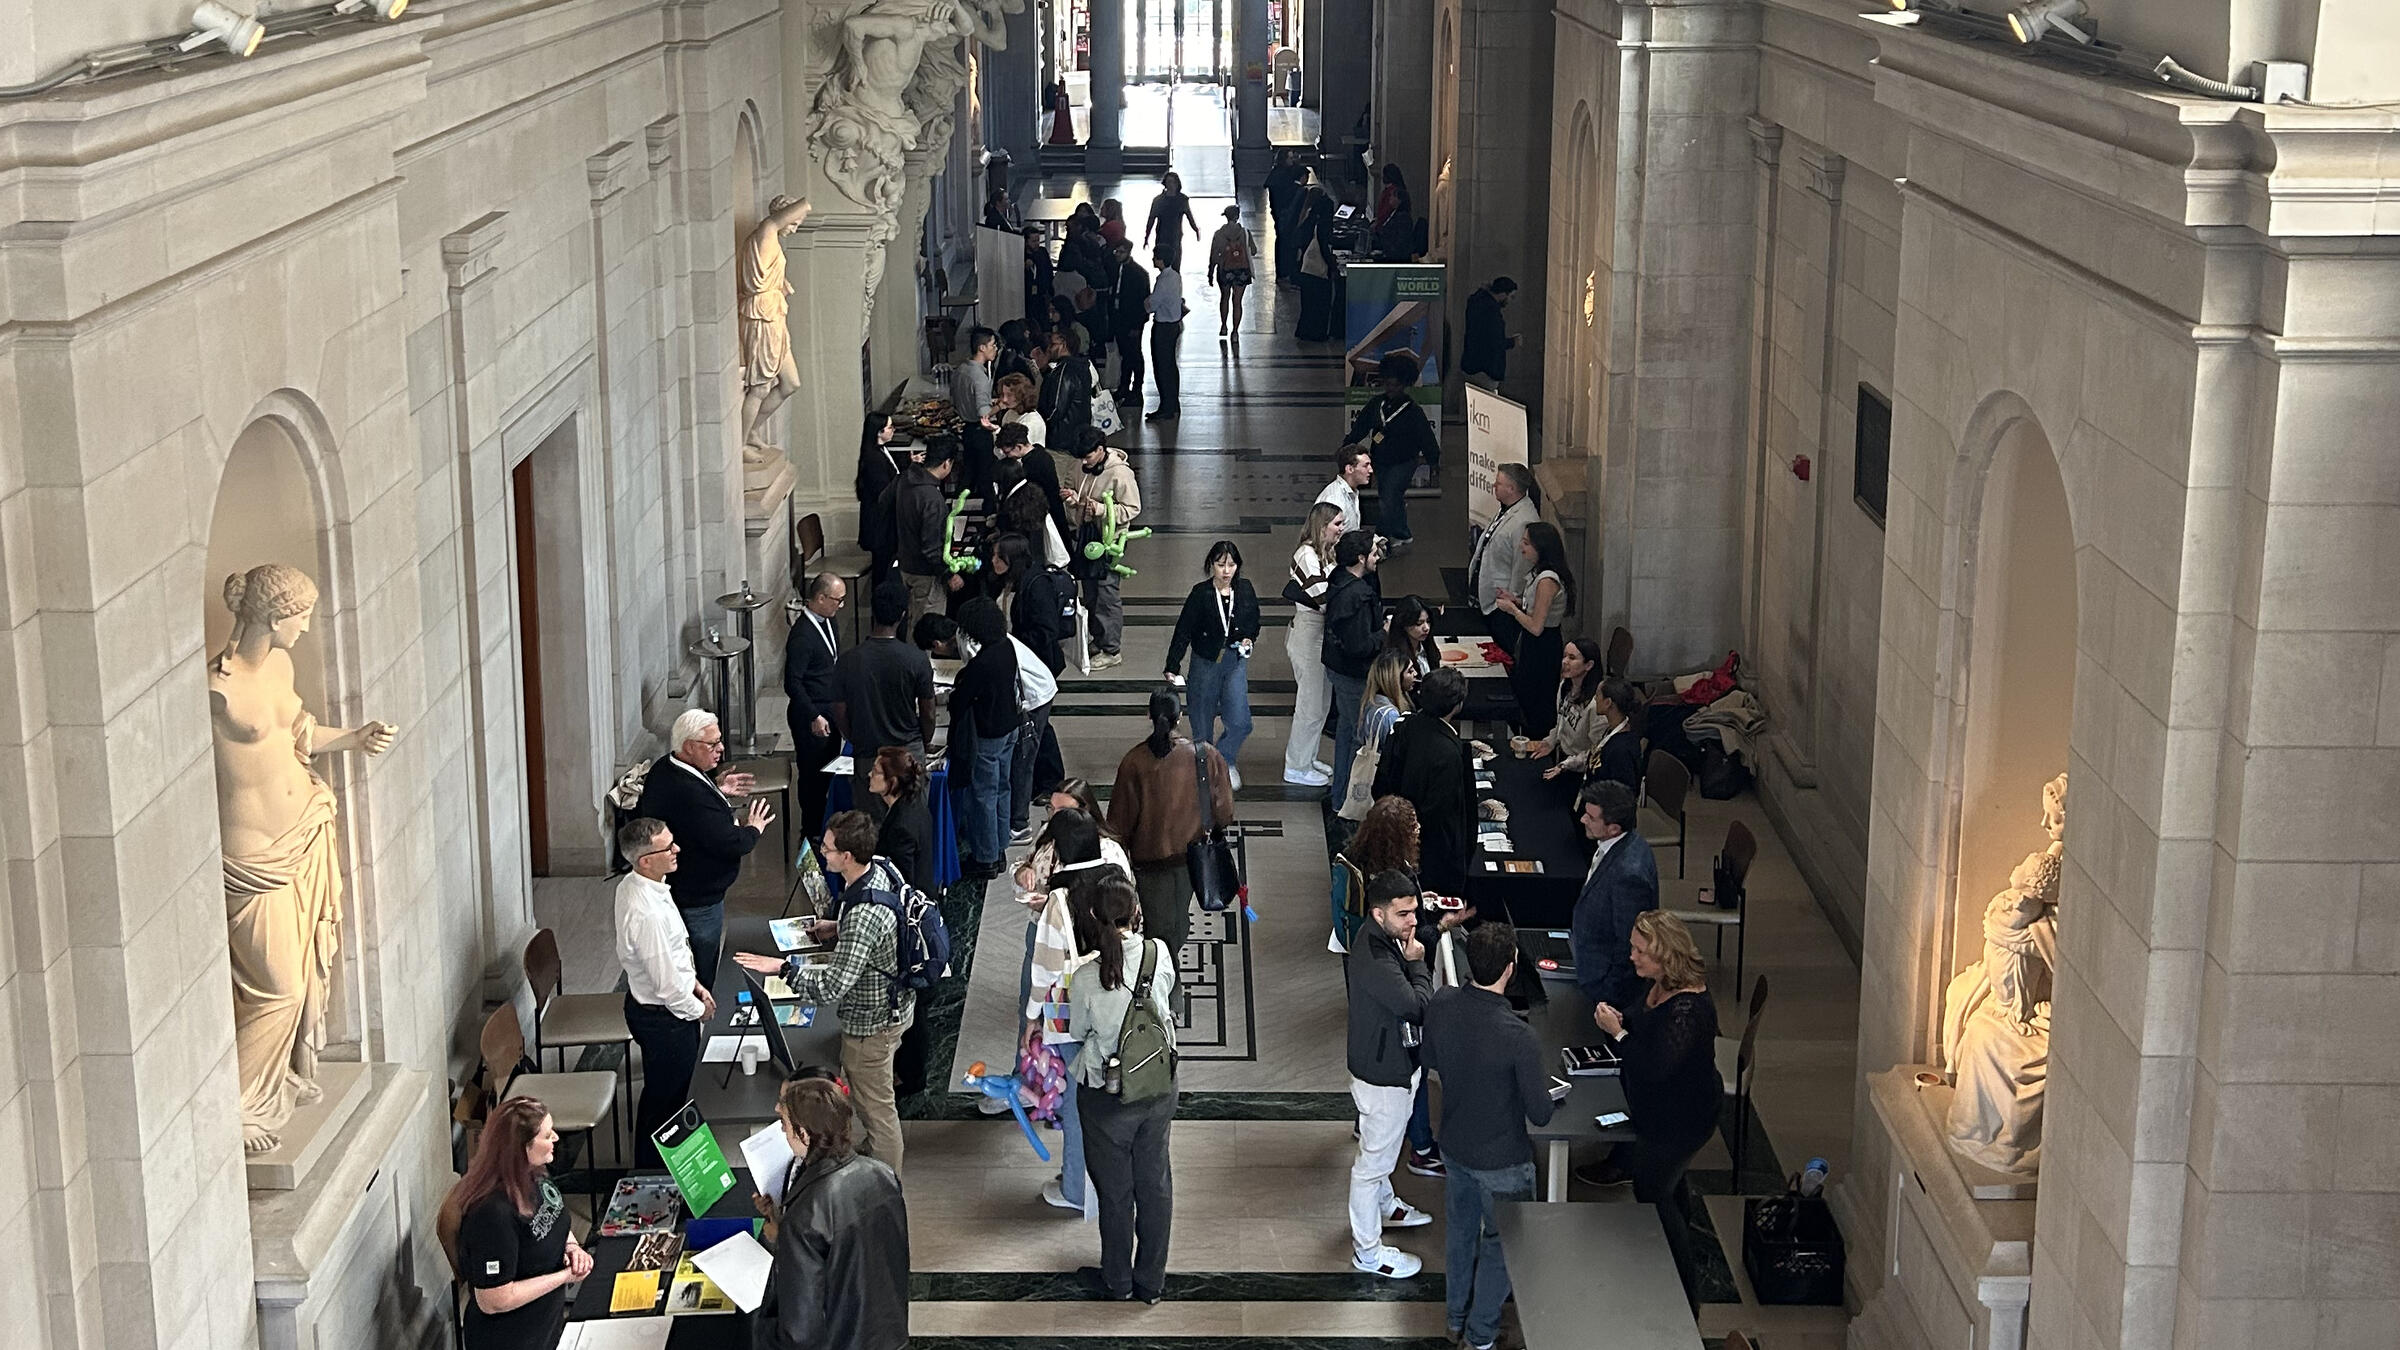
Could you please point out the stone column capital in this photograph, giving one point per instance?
(1766, 140)
(1825, 170)
(608, 171)
(467, 254)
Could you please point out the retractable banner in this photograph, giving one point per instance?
(1495, 436)
(1391, 308)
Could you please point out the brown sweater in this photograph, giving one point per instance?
(1155, 805)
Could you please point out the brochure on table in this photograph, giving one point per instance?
(694, 1159)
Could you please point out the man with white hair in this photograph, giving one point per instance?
(684, 790)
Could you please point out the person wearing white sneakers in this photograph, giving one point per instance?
(1311, 577)
(1390, 985)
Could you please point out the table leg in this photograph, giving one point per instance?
(1556, 1189)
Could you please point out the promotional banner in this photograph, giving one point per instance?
(999, 276)
(1393, 307)
(1495, 436)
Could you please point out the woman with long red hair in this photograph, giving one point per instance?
(506, 1229)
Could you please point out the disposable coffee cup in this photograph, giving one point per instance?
(1520, 746)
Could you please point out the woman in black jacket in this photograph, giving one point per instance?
(1313, 248)
(906, 835)
(1042, 613)
(984, 702)
(1672, 1090)
(1219, 625)
(875, 474)
(839, 1233)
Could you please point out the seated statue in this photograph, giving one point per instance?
(1996, 1014)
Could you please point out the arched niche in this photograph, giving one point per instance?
(2020, 671)
(1588, 286)
(747, 207)
(266, 511)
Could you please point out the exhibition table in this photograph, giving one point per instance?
(1542, 827)
(1588, 1275)
(1561, 1016)
(691, 1331)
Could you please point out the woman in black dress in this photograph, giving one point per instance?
(1672, 1089)
(507, 1231)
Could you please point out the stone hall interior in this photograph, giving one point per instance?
(1888, 469)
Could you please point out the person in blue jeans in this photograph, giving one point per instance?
(1353, 635)
(1218, 627)
(984, 702)
(1493, 1083)
(1398, 435)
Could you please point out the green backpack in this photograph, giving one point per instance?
(1144, 1065)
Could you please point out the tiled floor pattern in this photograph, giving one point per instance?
(1263, 1140)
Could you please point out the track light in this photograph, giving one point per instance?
(229, 28)
(386, 10)
(2031, 20)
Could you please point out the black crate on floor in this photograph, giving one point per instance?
(1792, 1250)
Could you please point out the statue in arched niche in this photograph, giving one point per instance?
(275, 817)
(1996, 1014)
(770, 374)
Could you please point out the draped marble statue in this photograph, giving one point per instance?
(275, 816)
(1996, 1014)
(769, 373)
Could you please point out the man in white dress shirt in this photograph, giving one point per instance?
(665, 1002)
(1166, 339)
(1352, 470)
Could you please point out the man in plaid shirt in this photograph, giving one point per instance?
(859, 981)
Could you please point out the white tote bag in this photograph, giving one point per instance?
(1104, 413)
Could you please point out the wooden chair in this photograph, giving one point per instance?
(561, 1020)
(1741, 847)
(1735, 1060)
(1665, 783)
(1620, 654)
(808, 547)
(578, 1102)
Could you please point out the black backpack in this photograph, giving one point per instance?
(922, 940)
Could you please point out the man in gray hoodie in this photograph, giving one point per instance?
(1390, 985)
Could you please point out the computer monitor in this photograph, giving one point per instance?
(770, 1028)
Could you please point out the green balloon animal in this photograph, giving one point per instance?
(1113, 538)
(958, 566)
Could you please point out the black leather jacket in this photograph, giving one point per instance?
(841, 1262)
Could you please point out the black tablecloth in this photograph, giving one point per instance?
(695, 1331)
(1542, 825)
(1561, 1016)
(728, 1098)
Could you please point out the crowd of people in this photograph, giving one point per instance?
(1107, 892)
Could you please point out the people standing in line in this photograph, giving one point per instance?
(1497, 563)
(1388, 840)
(1398, 437)
(509, 1235)
(1483, 356)
(1066, 395)
(1072, 856)
(1353, 468)
(1015, 403)
(1041, 617)
(666, 1002)
(1155, 809)
(1620, 886)
(877, 471)
(1107, 478)
(1304, 642)
(1425, 761)
(971, 396)
(1232, 254)
(1219, 627)
(684, 789)
(1313, 246)
(809, 654)
(883, 689)
(1667, 1037)
(1166, 340)
(921, 528)
(1027, 485)
(897, 789)
(1408, 630)
(859, 982)
(1353, 633)
(1125, 1141)
(1390, 985)
(1391, 696)
(838, 1230)
(1039, 599)
(1493, 1084)
(1132, 312)
(985, 701)
(1541, 643)
(1286, 184)
(1170, 211)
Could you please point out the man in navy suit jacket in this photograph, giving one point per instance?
(1622, 883)
(808, 657)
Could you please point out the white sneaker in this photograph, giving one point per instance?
(1406, 1215)
(1235, 775)
(1388, 1261)
(1054, 1193)
(1324, 768)
(1308, 777)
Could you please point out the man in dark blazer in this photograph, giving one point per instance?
(808, 657)
(1622, 882)
(1425, 763)
(1619, 756)
(714, 837)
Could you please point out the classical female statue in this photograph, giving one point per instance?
(769, 373)
(283, 885)
(1996, 1014)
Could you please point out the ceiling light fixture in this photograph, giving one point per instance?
(2032, 20)
(387, 10)
(229, 28)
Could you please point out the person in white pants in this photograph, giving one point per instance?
(1304, 641)
(1390, 985)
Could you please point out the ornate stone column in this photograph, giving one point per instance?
(1251, 153)
(1105, 154)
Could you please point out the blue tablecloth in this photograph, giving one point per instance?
(946, 868)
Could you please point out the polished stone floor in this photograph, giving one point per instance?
(1262, 1146)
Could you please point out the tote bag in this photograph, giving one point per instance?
(1216, 875)
(1104, 413)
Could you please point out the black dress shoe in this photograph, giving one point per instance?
(1095, 1286)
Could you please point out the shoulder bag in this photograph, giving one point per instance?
(1216, 875)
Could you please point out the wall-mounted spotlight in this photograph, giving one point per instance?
(229, 28)
(2031, 20)
(386, 10)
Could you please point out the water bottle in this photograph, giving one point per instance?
(1812, 1177)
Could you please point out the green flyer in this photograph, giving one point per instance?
(693, 1158)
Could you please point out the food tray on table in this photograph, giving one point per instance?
(925, 417)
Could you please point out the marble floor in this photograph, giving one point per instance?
(1263, 1144)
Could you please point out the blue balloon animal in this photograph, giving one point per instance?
(1004, 1087)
